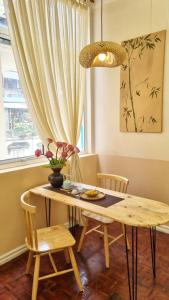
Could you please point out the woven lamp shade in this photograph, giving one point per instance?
(89, 55)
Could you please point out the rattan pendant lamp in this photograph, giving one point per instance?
(102, 54)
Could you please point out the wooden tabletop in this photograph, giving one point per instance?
(133, 210)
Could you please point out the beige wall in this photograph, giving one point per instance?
(148, 178)
(13, 183)
(144, 158)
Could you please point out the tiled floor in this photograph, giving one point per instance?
(99, 283)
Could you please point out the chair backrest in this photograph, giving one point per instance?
(113, 182)
(30, 212)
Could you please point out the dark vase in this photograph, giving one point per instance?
(56, 178)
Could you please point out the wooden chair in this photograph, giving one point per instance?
(111, 182)
(47, 241)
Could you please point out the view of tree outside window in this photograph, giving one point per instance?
(18, 135)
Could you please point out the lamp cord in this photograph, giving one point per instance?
(101, 20)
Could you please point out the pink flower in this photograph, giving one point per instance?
(49, 154)
(70, 147)
(59, 144)
(76, 150)
(38, 153)
(50, 141)
(64, 154)
(61, 154)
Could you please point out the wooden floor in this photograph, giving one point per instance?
(99, 283)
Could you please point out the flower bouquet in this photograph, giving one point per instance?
(57, 160)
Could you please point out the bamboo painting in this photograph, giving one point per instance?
(141, 84)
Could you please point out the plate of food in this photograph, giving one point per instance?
(92, 195)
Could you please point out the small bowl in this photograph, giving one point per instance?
(91, 193)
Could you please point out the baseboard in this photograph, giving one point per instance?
(12, 254)
(21, 249)
(163, 228)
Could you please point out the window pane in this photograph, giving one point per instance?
(3, 22)
(19, 137)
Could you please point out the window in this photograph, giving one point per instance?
(19, 138)
(18, 135)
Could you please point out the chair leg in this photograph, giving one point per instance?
(82, 235)
(106, 247)
(66, 253)
(75, 268)
(29, 262)
(128, 244)
(36, 277)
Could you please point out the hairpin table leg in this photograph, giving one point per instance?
(127, 259)
(132, 279)
(72, 218)
(153, 249)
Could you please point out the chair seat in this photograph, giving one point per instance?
(97, 217)
(53, 238)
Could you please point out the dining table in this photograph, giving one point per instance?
(130, 210)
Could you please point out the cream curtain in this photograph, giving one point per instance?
(46, 37)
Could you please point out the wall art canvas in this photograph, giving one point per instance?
(141, 83)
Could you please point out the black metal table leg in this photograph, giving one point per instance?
(136, 262)
(72, 219)
(132, 278)
(153, 248)
(127, 259)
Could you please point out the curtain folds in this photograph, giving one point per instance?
(47, 36)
